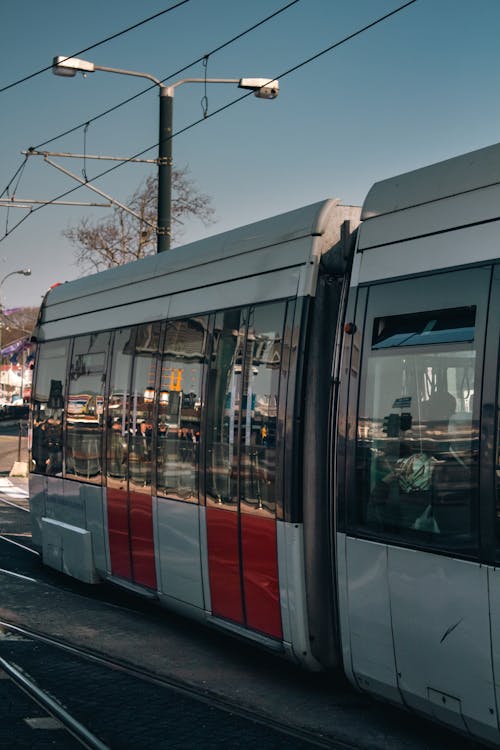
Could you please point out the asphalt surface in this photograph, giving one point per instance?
(125, 710)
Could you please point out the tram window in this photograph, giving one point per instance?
(48, 404)
(436, 327)
(85, 408)
(179, 409)
(147, 340)
(118, 407)
(417, 442)
(260, 407)
(223, 406)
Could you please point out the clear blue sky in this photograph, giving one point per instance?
(420, 87)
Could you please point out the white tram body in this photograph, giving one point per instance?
(290, 431)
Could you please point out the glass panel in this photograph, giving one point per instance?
(143, 397)
(118, 407)
(85, 408)
(417, 447)
(223, 403)
(179, 411)
(436, 327)
(48, 403)
(260, 406)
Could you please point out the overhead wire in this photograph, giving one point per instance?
(98, 44)
(224, 107)
(176, 73)
(203, 58)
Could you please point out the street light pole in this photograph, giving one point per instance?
(263, 88)
(164, 228)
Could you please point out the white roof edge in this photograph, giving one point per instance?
(460, 174)
(311, 220)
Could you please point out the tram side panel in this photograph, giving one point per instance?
(164, 443)
(415, 481)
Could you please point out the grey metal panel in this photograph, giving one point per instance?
(242, 292)
(93, 500)
(448, 213)
(38, 494)
(266, 254)
(179, 551)
(63, 502)
(114, 317)
(195, 301)
(198, 276)
(68, 549)
(293, 600)
(204, 558)
(471, 171)
(455, 248)
(302, 222)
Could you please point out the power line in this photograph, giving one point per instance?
(149, 88)
(172, 75)
(224, 107)
(98, 44)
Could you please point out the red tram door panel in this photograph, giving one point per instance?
(129, 460)
(224, 563)
(241, 467)
(118, 531)
(130, 528)
(260, 574)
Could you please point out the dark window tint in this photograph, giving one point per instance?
(147, 339)
(260, 406)
(224, 406)
(180, 408)
(85, 407)
(48, 405)
(420, 329)
(417, 444)
(118, 426)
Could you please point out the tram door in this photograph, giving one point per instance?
(242, 404)
(129, 447)
(417, 592)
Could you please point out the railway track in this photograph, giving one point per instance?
(52, 708)
(32, 653)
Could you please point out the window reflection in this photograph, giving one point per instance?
(141, 407)
(179, 409)
(417, 446)
(260, 407)
(85, 408)
(118, 408)
(48, 404)
(224, 393)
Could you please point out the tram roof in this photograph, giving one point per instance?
(284, 249)
(461, 174)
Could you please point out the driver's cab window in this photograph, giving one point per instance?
(417, 436)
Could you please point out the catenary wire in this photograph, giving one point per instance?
(222, 108)
(153, 86)
(98, 44)
(171, 75)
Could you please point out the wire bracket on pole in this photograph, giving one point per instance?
(85, 183)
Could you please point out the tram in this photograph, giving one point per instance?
(289, 431)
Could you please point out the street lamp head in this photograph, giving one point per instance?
(69, 66)
(263, 88)
(25, 271)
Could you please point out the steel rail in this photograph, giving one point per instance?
(52, 707)
(189, 690)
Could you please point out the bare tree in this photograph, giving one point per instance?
(121, 238)
(17, 323)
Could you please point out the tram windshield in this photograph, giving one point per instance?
(417, 447)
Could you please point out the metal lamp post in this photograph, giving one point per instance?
(263, 88)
